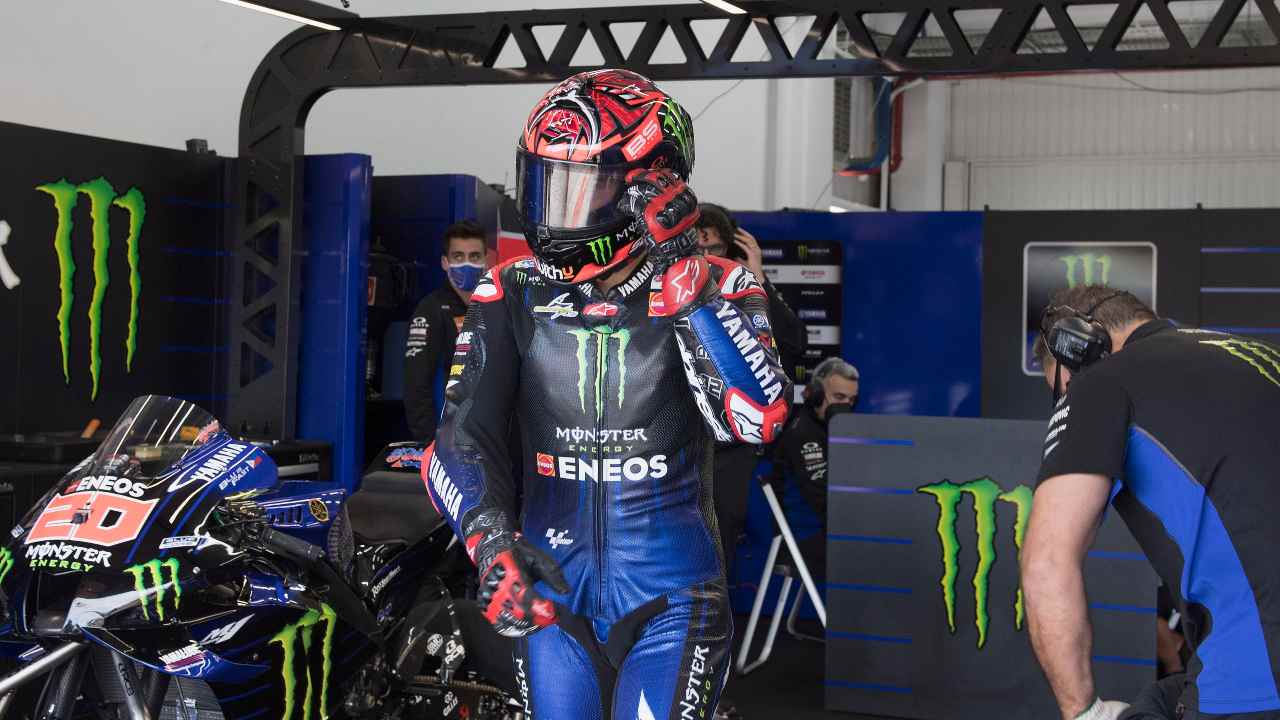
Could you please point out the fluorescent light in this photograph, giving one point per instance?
(285, 15)
(726, 6)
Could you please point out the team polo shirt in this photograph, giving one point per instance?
(1187, 423)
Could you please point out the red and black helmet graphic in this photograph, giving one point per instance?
(582, 141)
(611, 117)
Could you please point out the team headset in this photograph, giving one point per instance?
(817, 394)
(1076, 340)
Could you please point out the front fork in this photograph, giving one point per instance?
(143, 698)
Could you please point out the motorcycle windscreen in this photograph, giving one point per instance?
(152, 436)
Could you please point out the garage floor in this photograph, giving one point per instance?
(789, 686)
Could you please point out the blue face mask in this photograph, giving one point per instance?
(465, 276)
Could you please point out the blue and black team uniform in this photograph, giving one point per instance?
(619, 405)
(1188, 423)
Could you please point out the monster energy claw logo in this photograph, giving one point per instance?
(149, 582)
(1262, 357)
(985, 493)
(602, 334)
(299, 636)
(102, 197)
(674, 124)
(6, 563)
(1086, 262)
(601, 249)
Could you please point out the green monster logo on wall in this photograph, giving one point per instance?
(102, 197)
(149, 582)
(298, 636)
(1086, 262)
(602, 334)
(985, 493)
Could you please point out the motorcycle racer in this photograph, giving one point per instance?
(625, 356)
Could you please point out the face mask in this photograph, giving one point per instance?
(465, 276)
(835, 409)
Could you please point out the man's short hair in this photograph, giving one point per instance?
(1114, 314)
(834, 366)
(461, 229)
(717, 218)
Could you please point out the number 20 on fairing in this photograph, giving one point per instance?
(111, 519)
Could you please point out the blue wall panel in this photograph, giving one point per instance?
(331, 360)
(912, 303)
(912, 292)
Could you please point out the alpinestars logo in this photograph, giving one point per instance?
(102, 197)
(149, 581)
(1261, 356)
(298, 646)
(603, 337)
(985, 493)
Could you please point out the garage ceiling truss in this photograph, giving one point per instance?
(803, 38)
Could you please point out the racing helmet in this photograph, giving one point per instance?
(582, 141)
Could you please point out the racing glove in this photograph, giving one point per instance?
(665, 210)
(1103, 710)
(509, 566)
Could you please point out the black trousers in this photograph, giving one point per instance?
(734, 465)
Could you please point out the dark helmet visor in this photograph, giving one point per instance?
(563, 195)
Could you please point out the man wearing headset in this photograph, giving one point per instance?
(1177, 428)
(801, 453)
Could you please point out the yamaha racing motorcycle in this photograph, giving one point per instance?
(172, 574)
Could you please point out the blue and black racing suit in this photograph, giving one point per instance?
(619, 403)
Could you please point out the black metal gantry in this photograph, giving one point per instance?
(466, 49)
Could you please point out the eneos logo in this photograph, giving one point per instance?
(102, 197)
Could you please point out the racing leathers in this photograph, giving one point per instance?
(620, 398)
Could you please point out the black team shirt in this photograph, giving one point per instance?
(432, 332)
(1187, 422)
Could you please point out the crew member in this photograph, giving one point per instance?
(801, 453)
(623, 355)
(1177, 428)
(720, 235)
(436, 321)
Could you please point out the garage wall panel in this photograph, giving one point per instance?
(1100, 142)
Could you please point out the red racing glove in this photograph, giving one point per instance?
(665, 210)
(509, 566)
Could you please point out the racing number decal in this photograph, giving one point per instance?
(110, 519)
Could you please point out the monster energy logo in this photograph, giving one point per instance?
(149, 582)
(102, 197)
(298, 636)
(6, 563)
(1086, 262)
(1264, 358)
(674, 124)
(602, 335)
(601, 249)
(985, 493)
